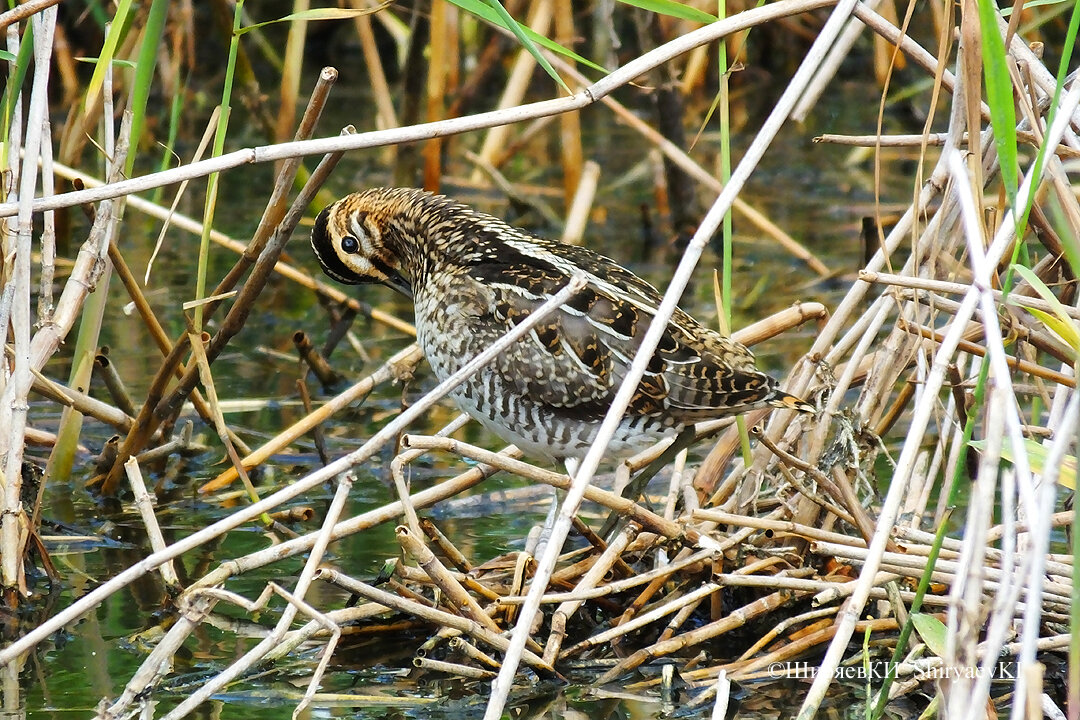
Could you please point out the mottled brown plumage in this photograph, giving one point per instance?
(472, 277)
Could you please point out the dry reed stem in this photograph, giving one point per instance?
(935, 248)
(672, 603)
(687, 164)
(307, 575)
(945, 571)
(281, 151)
(908, 455)
(24, 10)
(518, 81)
(776, 526)
(416, 575)
(1016, 296)
(106, 373)
(931, 140)
(397, 366)
(31, 352)
(591, 579)
(624, 507)
(431, 615)
(153, 413)
(660, 574)
(576, 172)
(81, 402)
(386, 117)
(372, 518)
(414, 548)
(195, 227)
(735, 619)
(1012, 362)
(446, 547)
(456, 669)
(577, 217)
(192, 611)
(438, 51)
(145, 505)
(389, 431)
(470, 651)
(709, 225)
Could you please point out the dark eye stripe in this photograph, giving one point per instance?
(327, 255)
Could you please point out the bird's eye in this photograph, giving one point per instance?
(350, 244)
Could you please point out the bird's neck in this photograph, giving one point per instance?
(433, 237)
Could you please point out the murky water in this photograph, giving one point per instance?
(803, 187)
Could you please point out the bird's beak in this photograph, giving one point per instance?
(398, 282)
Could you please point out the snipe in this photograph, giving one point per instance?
(472, 277)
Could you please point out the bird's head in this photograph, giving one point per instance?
(352, 240)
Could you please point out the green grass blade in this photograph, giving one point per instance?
(212, 180)
(999, 96)
(13, 88)
(1058, 321)
(108, 50)
(508, 22)
(932, 631)
(674, 9)
(316, 14)
(484, 11)
(144, 74)
(116, 62)
(1037, 454)
(1063, 328)
(1063, 68)
(174, 129)
(900, 648)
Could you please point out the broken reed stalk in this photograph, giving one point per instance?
(307, 575)
(438, 617)
(456, 594)
(273, 217)
(315, 360)
(89, 406)
(106, 372)
(624, 507)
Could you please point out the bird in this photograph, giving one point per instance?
(472, 277)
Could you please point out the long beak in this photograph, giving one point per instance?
(396, 281)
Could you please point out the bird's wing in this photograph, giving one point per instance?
(576, 358)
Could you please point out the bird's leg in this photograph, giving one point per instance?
(553, 512)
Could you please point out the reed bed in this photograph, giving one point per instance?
(904, 537)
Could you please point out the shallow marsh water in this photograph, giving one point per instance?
(803, 187)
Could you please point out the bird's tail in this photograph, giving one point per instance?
(790, 402)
